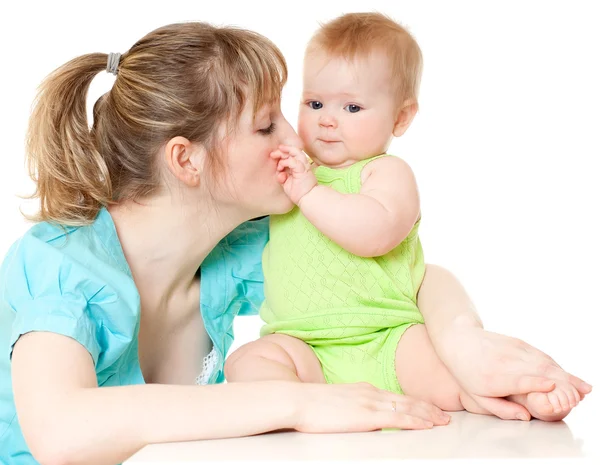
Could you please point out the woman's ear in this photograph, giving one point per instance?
(185, 160)
(405, 117)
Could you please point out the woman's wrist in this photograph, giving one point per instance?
(288, 408)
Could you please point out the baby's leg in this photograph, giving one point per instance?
(274, 357)
(421, 374)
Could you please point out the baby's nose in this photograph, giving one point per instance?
(327, 121)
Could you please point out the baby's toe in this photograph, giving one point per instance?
(563, 398)
(539, 403)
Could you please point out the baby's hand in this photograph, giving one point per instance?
(294, 172)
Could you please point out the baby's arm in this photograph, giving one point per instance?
(368, 224)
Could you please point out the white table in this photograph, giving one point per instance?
(486, 439)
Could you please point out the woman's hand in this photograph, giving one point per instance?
(337, 408)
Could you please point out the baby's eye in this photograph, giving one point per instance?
(352, 108)
(315, 105)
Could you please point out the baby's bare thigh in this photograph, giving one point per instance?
(289, 351)
(422, 374)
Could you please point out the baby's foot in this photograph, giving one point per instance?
(550, 406)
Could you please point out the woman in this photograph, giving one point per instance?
(176, 163)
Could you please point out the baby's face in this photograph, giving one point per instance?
(347, 112)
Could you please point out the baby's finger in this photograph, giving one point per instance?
(282, 177)
(294, 165)
(278, 154)
(286, 163)
(293, 151)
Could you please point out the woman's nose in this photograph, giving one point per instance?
(289, 137)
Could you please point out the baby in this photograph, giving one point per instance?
(343, 269)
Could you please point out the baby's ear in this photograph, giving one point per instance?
(405, 116)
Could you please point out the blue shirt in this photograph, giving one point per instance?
(75, 281)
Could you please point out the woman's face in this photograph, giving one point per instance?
(251, 174)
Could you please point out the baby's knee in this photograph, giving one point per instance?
(242, 354)
(260, 349)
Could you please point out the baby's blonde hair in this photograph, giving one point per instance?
(183, 79)
(356, 35)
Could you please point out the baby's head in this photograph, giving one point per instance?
(361, 81)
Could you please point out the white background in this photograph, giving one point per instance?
(505, 146)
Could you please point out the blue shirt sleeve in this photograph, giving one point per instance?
(46, 289)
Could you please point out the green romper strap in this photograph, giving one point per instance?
(353, 182)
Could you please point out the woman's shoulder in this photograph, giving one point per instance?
(69, 280)
(83, 263)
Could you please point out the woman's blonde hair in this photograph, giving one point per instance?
(179, 80)
(356, 35)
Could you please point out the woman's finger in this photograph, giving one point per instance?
(400, 420)
(424, 411)
(416, 407)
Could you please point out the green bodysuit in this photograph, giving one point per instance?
(351, 310)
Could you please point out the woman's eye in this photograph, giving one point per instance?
(268, 130)
(315, 105)
(352, 108)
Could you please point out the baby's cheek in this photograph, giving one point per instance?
(370, 136)
(304, 131)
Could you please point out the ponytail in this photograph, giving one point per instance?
(71, 176)
(183, 79)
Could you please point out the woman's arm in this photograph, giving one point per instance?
(66, 418)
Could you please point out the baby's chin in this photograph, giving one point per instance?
(335, 161)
